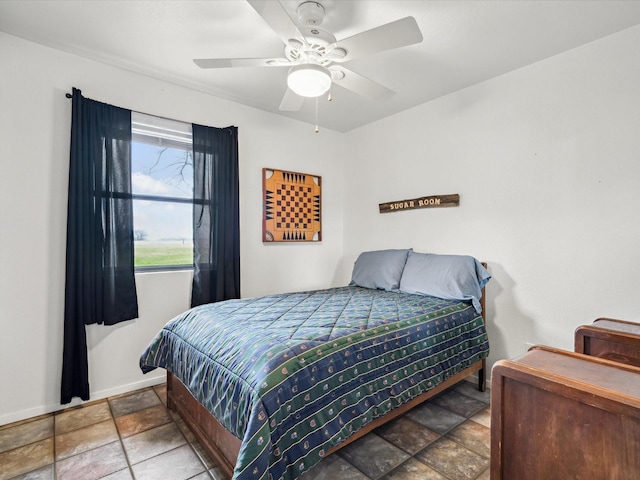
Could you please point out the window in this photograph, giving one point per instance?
(162, 190)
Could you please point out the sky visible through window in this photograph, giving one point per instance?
(164, 172)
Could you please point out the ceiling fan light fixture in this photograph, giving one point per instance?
(310, 13)
(309, 80)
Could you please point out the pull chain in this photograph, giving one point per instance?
(317, 128)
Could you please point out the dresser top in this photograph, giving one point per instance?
(616, 377)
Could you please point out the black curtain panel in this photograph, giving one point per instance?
(100, 284)
(216, 215)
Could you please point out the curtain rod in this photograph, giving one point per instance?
(68, 95)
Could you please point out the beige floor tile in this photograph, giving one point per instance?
(147, 441)
(126, 404)
(486, 475)
(483, 417)
(93, 464)
(146, 419)
(153, 442)
(186, 431)
(120, 475)
(178, 464)
(204, 456)
(26, 420)
(453, 460)
(26, 458)
(26, 432)
(161, 391)
(82, 416)
(470, 389)
(333, 468)
(458, 403)
(435, 417)
(217, 474)
(87, 438)
(474, 436)
(373, 455)
(45, 473)
(201, 476)
(412, 469)
(408, 435)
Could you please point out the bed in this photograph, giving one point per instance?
(272, 385)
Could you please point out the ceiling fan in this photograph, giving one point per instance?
(314, 56)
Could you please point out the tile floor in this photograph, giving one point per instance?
(135, 436)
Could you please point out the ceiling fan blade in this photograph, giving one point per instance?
(392, 35)
(360, 85)
(291, 102)
(277, 18)
(240, 62)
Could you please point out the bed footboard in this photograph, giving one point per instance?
(223, 447)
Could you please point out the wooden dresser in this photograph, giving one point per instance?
(617, 340)
(564, 415)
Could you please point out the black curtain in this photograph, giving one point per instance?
(216, 215)
(100, 284)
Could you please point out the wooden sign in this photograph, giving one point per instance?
(432, 201)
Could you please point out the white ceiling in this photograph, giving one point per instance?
(465, 42)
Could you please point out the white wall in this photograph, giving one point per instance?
(546, 160)
(35, 121)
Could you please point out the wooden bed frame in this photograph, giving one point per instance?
(223, 447)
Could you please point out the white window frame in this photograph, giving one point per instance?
(161, 132)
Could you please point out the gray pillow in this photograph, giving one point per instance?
(452, 277)
(380, 269)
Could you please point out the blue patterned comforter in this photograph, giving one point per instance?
(293, 375)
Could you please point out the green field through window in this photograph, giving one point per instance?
(170, 253)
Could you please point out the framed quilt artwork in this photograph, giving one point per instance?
(291, 206)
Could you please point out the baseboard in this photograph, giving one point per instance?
(99, 395)
(473, 378)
